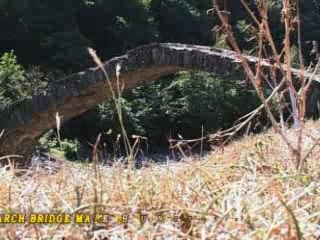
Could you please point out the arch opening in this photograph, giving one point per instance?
(26, 121)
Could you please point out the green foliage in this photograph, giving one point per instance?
(55, 35)
(295, 56)
(48, 141)
(70, 148)
(183, 21)
(44, 32)
(114, 26)
(11, 79)
(181, 105)
(310, 14)
(245, 29)
(221, 41)
(310, 24)
(16, 82)
(69, 50)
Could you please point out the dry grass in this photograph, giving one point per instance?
(250, 191)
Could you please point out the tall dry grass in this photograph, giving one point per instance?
(248, 192)
(280, 62)
(251, 190)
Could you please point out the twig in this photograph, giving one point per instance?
(250, 116)
(308, 153)
(251, 77)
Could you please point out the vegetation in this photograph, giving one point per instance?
(182, 104)
(248, 192)
(263, 186)
(59, 33)
(11, 79)
(69, 149)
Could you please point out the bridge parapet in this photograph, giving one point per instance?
(25, 121)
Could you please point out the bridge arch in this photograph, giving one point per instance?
(27, 120)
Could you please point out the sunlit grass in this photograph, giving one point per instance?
(250, 191)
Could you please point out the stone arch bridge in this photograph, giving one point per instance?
(24, 122)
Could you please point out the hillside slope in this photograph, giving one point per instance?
(250, 191)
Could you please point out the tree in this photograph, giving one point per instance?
(11, 79)
(182, 21)
(180, 104)
(115, 26)
(44, 32)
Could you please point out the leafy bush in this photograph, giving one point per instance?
(179, 104)
(11, 79)
(183, 21)
(70, 148)
(16, 82)
(35, 80)
(186, 103)
(48, 141)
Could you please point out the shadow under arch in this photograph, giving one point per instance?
(25, 121)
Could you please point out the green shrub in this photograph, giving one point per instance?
(48, 141)
(181, 104)
(16, 82)
(69, 148)
(11, 79)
